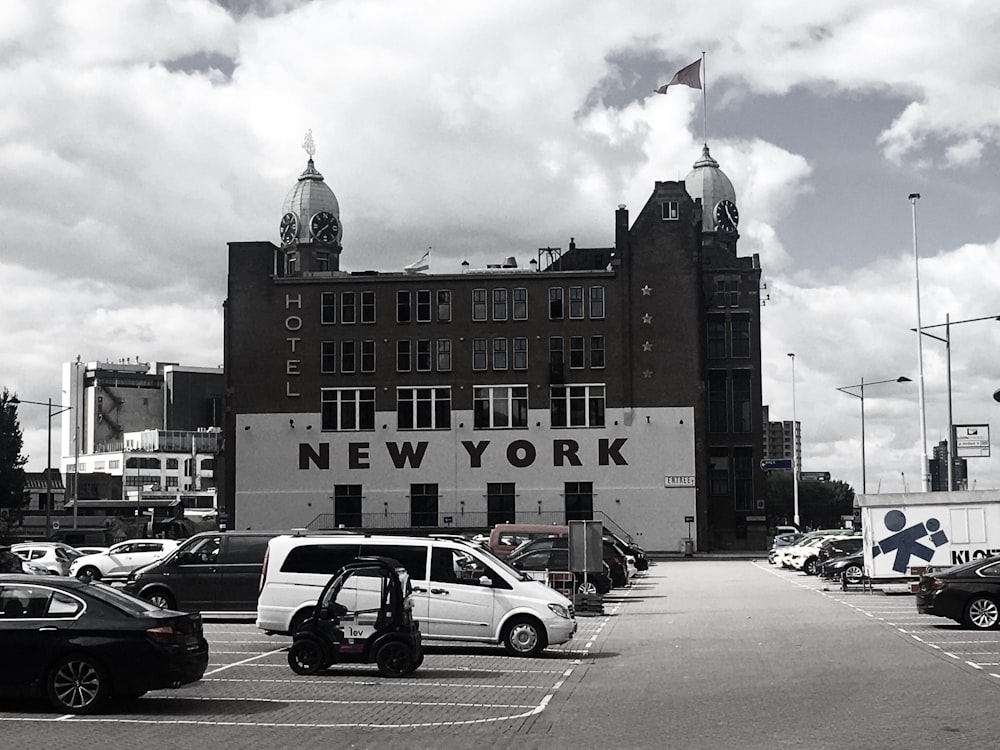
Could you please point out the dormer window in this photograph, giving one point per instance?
(670, 210)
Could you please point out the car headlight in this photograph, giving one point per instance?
(559, 610)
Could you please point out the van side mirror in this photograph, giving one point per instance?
(485, 581)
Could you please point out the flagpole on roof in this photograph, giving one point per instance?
(704, 98)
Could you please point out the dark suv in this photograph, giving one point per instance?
(613, 555)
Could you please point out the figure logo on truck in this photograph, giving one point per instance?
(906, 541)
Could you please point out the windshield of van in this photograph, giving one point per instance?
(496, 562)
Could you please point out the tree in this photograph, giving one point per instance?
(12, 497)
(821, 504)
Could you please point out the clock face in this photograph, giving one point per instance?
(726, 216)
(325, 227)
(289, 228)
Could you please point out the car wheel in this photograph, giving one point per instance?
(982, 613)
(308, 655)
(160, 598)
(524, 636)
(853, 573)
(810, 567)
(88, 573)
(586, 587)
(394, 659)
(78, 685)
(299, 620)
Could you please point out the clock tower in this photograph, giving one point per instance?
(310, 228)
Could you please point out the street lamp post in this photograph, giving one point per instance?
(847, 389)
(48, 468)
(948, 323)
(795, 450)
(924, 467)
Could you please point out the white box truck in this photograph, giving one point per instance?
(905, 533)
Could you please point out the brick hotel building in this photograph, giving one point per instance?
(615, 383)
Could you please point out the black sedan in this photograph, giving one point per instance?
(557, 560)
(84, 644)
(968, 594)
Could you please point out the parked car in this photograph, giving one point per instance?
(783, 554)
(12, 563)
(782, 540)
(637, 552)
(506, 537)
(839, 547)
(805, 556)
(612, 555)
(53, 557)
(85, 644)
(848, 568)
(968, 594)
(215, 571)
(122, 558)
(539, 561)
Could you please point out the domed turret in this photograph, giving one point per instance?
(718, 199)
(311, 212)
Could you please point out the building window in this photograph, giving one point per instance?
(423, 505)
(403, 355)
(579, 501)
(403, 314)
(172, 463)
(292, 264)
(328, 357)
(347, 357)
(556, 351)
(577, 406)
(520, 353)
(597, 352)
(520, 304)
(444, 306)
(347, 506)
(742, 417)
(423, 408)
(444, 355)
(368, 356)
(479, 304)
(424, 306)
(500, 406)
(715, 328)
(348, 308)
(718, 401)
(597, 302)
(328, 308)
(727, 291)
(322, 261)
(743, 478)
(423, 355)
(718, 472)
(741, 335)
(345, 409)
(576, 302)
(367, 307)
(172, 482)
(555, 303)
(500, 503)
(576, 353)
(479, 354)
(499, 354)
(669, 211)
(499, 304)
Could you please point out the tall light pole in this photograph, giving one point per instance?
(795, 449)
(948, 323)
(924, 466)
(48, 466)
(848, 390)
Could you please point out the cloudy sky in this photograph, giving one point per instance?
(137, 138)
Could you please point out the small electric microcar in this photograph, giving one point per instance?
(363, 615)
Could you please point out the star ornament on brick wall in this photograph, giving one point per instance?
(647, 318)
(646, 290)
(647, 346)
(647, 374)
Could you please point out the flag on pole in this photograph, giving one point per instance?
(421, 265)
(689, 75)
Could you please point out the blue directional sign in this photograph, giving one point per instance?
(775, 464)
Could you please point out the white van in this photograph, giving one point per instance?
(461, 591)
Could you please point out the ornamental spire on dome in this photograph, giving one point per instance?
(309, 145)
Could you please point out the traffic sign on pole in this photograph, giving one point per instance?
(774, 464)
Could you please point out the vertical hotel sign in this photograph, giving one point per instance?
(972, 440)
(293, 324)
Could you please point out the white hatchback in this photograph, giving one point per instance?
(53, 557)
(122, 558)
